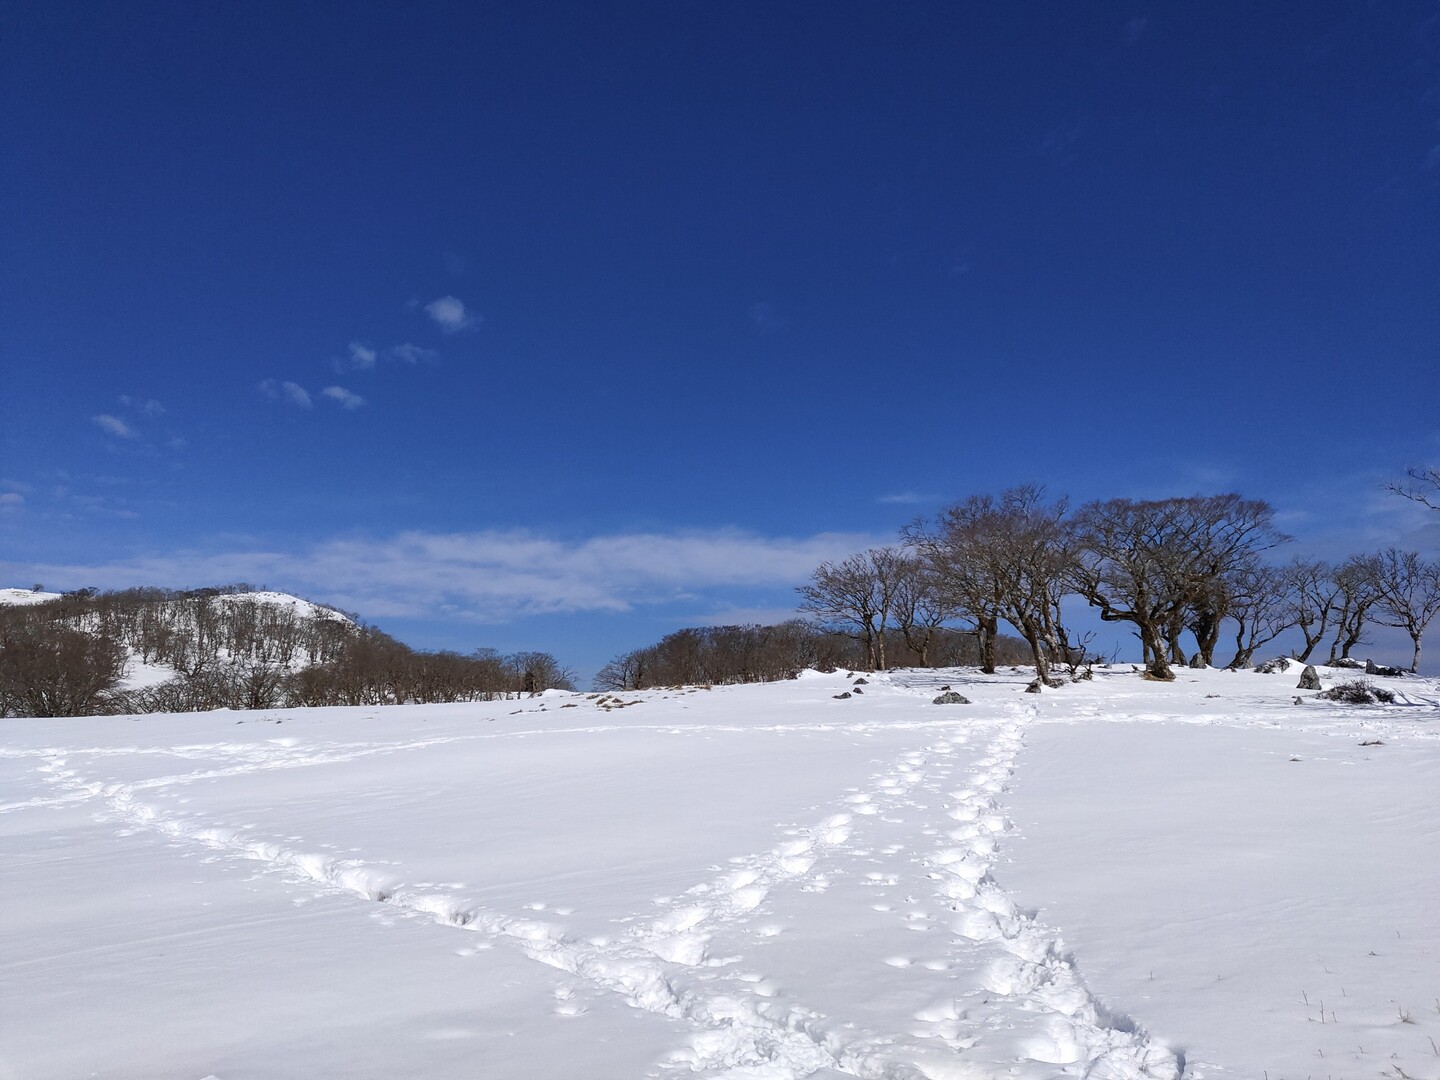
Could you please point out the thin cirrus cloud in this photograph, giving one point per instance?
(290, 392)
(449, 314)
(342, 397)
(297, 395)
(362, 357)
(488, 576)
(145, 406)
(407, 353)
(113, 425)
(905, 498)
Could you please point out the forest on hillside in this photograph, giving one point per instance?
(231, 647)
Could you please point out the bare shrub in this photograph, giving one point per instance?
(1358, 692)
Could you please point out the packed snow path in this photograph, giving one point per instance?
(868, 932)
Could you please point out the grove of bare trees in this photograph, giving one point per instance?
(1183, 573)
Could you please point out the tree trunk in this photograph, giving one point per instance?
(986, 628)
(1242, 654)
(1207, 635)
(1172, 639)
(1042, 662)
(1348, 635)
(1155, 668)
(1415, 663)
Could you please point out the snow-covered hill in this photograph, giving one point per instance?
(284, 601)
(1118, 879)
(164, 633)
(24, 597)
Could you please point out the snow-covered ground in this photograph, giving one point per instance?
(269, 598)
(1115, 879)
(26, 597)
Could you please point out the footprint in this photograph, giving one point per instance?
(566, 1004)
(691, 950)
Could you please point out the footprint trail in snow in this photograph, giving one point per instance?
(873, 942)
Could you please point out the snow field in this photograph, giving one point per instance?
(756, 883)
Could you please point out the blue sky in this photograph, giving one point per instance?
(562, 325)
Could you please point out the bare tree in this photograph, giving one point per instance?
(1028, 551)
(625, 672)
(535, 672)
(858, 595)
(1150, 562)
(922, 606)
(52, 670)
(1355, 596)
(1314, 596)
(1423, 487)
(1263, 609)
(1409, 593)
(953, 549)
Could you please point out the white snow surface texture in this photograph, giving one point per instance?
(1117, 880)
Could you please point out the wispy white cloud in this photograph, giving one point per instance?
(412, 354)
(144, 406)
(11, 500)
(489, 576)
(362, 357)
(113, 425)
(294, 393)
(342, 397)
(449, 314)
(905, 498)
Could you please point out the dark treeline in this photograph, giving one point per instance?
(719, 655)
(66, 657)
(1185, 574)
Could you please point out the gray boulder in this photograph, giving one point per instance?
(1372, 668)
(1309, 679)
(951, 698)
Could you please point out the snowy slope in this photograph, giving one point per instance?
(302, 608)
(24, 597)
(1116, 880)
